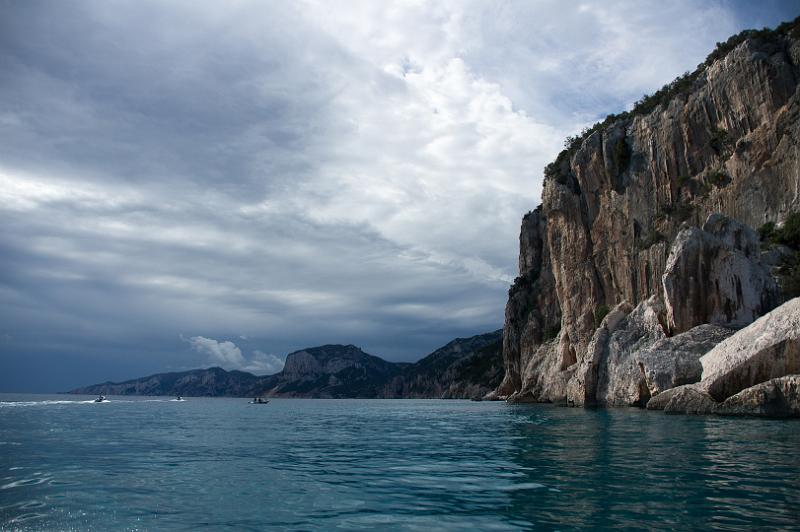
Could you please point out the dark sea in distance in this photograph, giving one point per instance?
(138, 463)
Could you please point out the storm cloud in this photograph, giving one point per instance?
(260, 177)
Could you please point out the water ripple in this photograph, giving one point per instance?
(412, 465)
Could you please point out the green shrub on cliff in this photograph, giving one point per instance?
(790, 281)
(600, 312)
(720, 141)
(718, 178)
(523, 282)
(680, 210)
(787, 234)
(678, 87)
(766, 231)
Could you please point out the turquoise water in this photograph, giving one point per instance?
(144, 464)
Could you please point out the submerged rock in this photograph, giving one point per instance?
(766, 349)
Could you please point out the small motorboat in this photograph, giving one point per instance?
(179, 398)
(259, 401)
(101, 399)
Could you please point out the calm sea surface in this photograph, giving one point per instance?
(145, 463)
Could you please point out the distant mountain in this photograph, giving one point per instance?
(464, 368)
(334, 371)
(211, 382)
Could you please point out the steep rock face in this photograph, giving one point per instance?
(544, 378)
(613, 201)
(532, 316)
(630, 358)
(714, 275)
(582, 385)
(621, 376)
(768, 348)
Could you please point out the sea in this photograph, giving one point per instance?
(154, 463)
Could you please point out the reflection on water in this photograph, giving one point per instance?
(628, 468)
(355, 464)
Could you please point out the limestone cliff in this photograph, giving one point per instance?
(723, 139)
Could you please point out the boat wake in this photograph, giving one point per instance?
(7, 404)
(18, 404)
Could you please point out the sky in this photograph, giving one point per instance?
(194, 183)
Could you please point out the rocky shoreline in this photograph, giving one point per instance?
(642, 281)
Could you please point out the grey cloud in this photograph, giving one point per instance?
(121, 91)
(287, 174)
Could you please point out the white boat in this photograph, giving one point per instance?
(101, 399)
(179, 398)
(259, 401)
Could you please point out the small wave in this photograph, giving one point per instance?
(523, 486)
(27, 517)
(7, 404)
(32, 505)
(25, 482)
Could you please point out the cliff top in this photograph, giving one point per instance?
(678, 87)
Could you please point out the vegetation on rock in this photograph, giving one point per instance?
(600, 312)
(788, 234)
(679, 87)
(718, 178)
